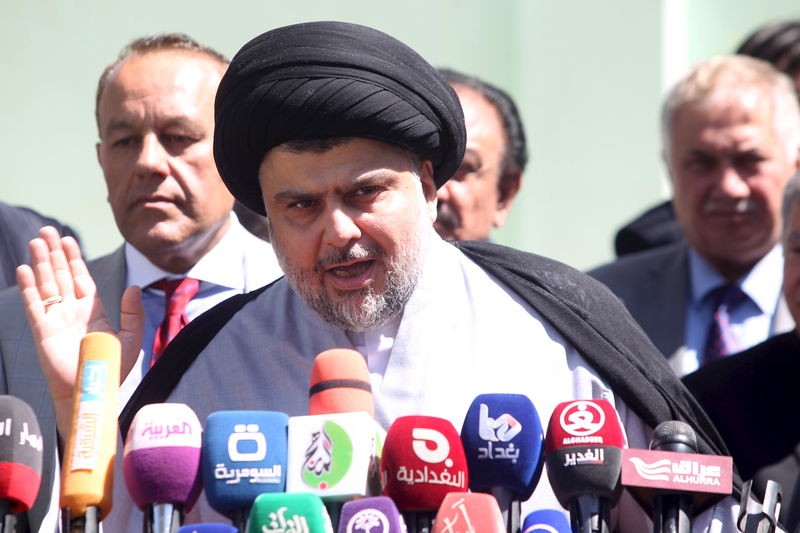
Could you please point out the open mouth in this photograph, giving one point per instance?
(351, 270)
(353, 275)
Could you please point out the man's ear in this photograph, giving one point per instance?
(508, 187)
(428, 187)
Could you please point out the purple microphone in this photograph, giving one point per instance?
(161, 463)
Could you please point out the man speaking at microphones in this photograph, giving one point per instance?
(341, 134)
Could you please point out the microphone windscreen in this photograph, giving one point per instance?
(584, 450)
(674, 436)
(503, 441)
(208, 528)
(546, 521)
(377, 514)
(289, 512)
(244, 455)
(469, 511)
(340, 383)
(87, 473)
(334, 456)
(161, 461)
(584, 422)
(21, 448)
(423, 460)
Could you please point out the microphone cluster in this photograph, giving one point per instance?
(337, 470)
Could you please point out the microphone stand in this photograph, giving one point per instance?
(589, 514)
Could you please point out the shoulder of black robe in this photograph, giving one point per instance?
(596, 324)
(583, 310)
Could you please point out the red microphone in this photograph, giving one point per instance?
(583, 449)
(21, 448)
(469, 511)
(423, 460)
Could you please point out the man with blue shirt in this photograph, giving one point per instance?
(731, 132)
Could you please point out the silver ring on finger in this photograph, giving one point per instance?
(52, 300)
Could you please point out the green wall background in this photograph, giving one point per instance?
(588, 76)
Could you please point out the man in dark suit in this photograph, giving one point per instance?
(731, 132)
(155, 117)
(752, 397)
(18, 225)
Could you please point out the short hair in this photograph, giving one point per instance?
(516, 152)
(724, 76)
(777, 43)
(791, 198)
(153, 43)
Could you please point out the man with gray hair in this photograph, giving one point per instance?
(731, 132)
(752, 397)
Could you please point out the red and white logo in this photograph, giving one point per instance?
(431, 446)
(582, 418)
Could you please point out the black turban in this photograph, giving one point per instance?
(331, 79)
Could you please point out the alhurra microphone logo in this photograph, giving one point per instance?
(368, 521)
(685, 471)
(89, 421)
(328, 456)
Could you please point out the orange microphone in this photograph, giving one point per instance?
(340, 383)
(87, 472)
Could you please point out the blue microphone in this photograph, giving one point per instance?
(503, 440)
(244, 455)
(546, 521)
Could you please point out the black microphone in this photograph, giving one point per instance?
(21, 450)
(583, 450)
(673, 510)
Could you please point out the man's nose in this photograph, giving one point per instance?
(341, 229)
(153, 157)
(732, 184)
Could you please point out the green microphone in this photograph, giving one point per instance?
(281, 511)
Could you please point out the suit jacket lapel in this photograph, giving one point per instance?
(110, 274)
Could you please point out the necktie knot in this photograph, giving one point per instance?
(724, 300)
(177, 295)
(728, 296)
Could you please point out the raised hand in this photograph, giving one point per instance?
(62, 306)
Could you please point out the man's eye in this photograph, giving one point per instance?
(178, 140)
(302, 204)
(366, 191)
(125, 141)
(700, 164)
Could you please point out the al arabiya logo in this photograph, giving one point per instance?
(328, 457)
(658, 471)
(582, 418)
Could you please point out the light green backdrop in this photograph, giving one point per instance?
(588, 76)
